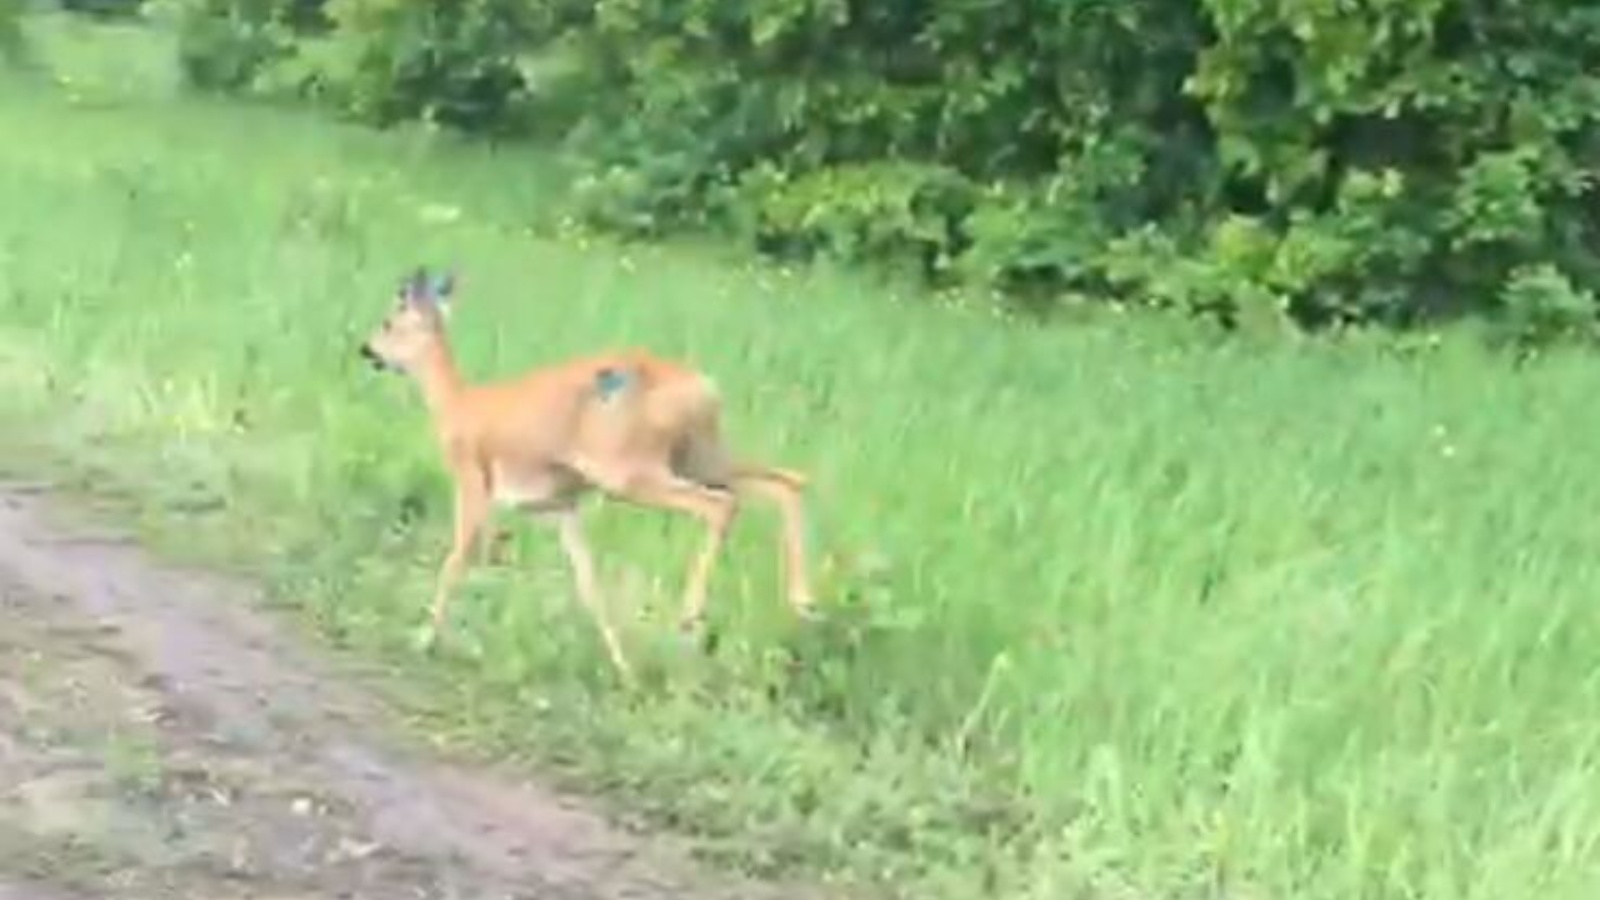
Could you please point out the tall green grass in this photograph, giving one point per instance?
(1115, 609)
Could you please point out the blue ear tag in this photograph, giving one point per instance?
(611, 382)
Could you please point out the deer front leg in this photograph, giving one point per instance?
(471, 510)
(576, 546)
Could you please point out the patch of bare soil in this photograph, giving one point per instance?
(160, 738)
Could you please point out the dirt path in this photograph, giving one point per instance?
(159, 738)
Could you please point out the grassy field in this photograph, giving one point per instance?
(1116, 609)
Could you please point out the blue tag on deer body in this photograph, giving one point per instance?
(610, 382)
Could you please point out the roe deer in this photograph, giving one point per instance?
(631, 424)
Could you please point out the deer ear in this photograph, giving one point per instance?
(414, 287)
(443, 291)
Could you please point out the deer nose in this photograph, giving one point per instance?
(367, 353)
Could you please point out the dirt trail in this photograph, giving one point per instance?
(160, 738)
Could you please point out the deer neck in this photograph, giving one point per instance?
(441, 383)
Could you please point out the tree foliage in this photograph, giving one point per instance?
(1316, 160)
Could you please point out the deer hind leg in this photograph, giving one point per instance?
(784, 489)
(704, 459)
(657, 485)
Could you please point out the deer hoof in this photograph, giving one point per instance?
(425, 639)
(693, 635)
(500, 549)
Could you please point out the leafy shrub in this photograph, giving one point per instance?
(1483, 124)
(880, 211)
(225, 45)
(13, 41)
(457, 64)
(1541, 305)
(1257, 160)
(104, 9)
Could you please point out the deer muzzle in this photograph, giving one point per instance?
(371, 356)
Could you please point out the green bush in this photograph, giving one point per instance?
(386, 61)
(104, 9)
(226, 45)
(1256, 160)
(1542, 305)
(13, 42)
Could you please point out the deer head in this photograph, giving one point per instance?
(415, 326)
